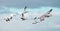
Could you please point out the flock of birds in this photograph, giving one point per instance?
(41, 18)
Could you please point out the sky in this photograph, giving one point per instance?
(34, 8)
(29, 3)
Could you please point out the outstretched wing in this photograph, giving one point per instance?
(49, 11)
(35, 18)
(25, 9)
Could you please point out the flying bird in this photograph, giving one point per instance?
(43, 16)
(35, 22)
(10, 17)
(23, 14)
(46, 15)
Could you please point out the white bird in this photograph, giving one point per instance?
(10, 17)
(23, 14)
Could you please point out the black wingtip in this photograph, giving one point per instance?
(7, 20)
(51, 10)
(25, 7)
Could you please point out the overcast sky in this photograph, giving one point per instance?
(30, 3)
(18, 5)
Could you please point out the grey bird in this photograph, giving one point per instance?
(46, 15)
(43, 16)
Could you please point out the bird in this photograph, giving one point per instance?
(23, 14)
(42, 18)
(9, 18)
(35, 22)
(46, 15)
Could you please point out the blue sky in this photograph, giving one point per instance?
(35, 8)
